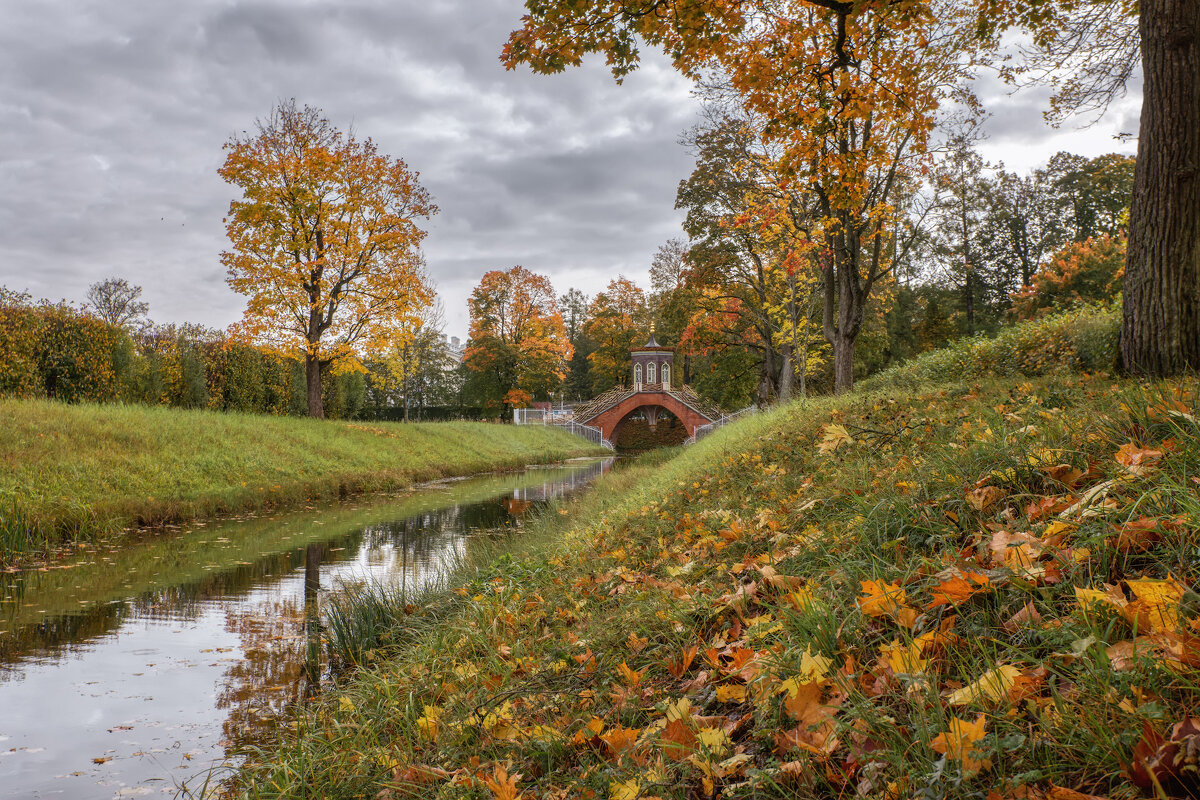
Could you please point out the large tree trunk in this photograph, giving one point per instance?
(843, 363)
(1160, 333)
(312, 375)
(969, 300)
(787, 374)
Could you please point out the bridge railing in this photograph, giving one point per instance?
(705, 430)
(589, 432)
(561, 418)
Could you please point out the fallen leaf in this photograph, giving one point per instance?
(678, 741)
(993, 686)
(959, 744)
(881, 599)
(1171, 764)
(959, 588)
(904, 658)
(1138, 536)
(1027, 616)
(631, 676)
(617, 740)
(1138, 460)
(834, 436)
(983, 498)
(680, 665)
(625, 790)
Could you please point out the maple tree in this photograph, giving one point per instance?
(751, 244)
(1081, 272)
(518, 342)
(618, 319)
(325, 242)
(851, 92)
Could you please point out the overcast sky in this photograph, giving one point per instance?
(113, 115)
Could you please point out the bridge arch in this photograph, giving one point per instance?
(610, 419)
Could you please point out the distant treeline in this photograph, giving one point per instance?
(59, 352)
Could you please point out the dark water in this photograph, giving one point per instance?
(132, 670)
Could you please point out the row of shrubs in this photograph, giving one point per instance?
(56, 351)
(1085, 338)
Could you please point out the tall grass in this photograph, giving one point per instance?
(757, 547)
(70, 472)
(1081, 339)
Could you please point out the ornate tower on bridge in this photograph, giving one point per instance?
(652, 363)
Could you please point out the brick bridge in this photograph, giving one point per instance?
(609, 411)
(651, 390)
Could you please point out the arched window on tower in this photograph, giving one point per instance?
(650, 372)
(637, 373)
(666, 374)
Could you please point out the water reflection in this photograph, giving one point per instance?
(127, 669)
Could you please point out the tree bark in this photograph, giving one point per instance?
(1160, 333)
(843, 363)
(312, 376)
(787, 374)
(969, 299)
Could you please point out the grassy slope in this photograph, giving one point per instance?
(75, 470)
(804, 586)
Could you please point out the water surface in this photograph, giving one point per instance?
(130, 669)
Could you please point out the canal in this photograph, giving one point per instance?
(133, 669)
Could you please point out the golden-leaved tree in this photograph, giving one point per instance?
(851, 91)
(325, 242)
(854, 87)
(518, 346)
(618, 319)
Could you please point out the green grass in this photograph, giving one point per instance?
(1081, 339)
(72, 472)
(758, 547)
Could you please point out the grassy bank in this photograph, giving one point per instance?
(75, 471)
(969, 590)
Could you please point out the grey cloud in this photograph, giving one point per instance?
(113, 116)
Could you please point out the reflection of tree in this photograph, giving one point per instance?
(280, 664)
(259, 688)
(278, 636)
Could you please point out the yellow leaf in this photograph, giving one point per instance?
(905, 658)
(625, 790)
(714, 739)
(731, 693)
(428, 722)
(835, 436)
(814, 666)
(680, 709)
(994, 685)
(959, 744)
(1157, 604)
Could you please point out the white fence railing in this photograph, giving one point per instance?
(560, 418)
(589, 432)
(541, 416)
(705, 430)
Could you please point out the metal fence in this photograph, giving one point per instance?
(589, 432)
(705, 430)
(541, 416)
(560, 418)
